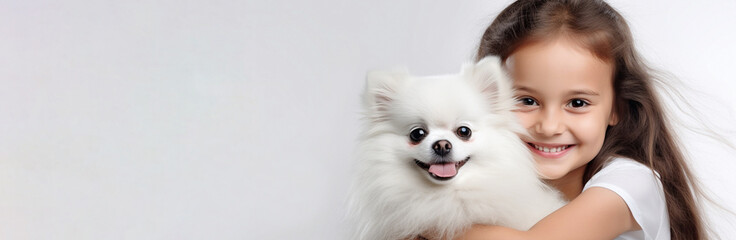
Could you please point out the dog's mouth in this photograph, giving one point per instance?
(442, 171)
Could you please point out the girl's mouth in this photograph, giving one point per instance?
(550, 151)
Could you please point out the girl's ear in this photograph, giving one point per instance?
(613, 119)
(490, 77)
(380, 91)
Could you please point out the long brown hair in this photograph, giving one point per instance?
(642, 133)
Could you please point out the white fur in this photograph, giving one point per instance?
(392, 198)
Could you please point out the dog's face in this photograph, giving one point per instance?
(441, 125)
(438, 124)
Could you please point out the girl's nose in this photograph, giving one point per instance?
(549, 123)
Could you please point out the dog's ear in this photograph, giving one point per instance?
(493, 81)
(380, 91)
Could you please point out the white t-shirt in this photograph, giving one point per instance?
(642, 191)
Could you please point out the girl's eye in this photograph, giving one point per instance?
(417, 135)
(463, 132)
(526, 101)
(578, 103)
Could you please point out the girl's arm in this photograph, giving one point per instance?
(597, 213)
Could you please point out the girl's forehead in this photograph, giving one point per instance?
(555, 50)
(556, 64)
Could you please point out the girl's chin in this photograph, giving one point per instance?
(550, 172)
(549, 176)
(554, 172)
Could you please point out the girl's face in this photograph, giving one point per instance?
(565, 98)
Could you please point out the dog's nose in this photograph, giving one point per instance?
(442, 147)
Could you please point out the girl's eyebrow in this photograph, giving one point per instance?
(525, 89)
(583, 92)
(572, 92)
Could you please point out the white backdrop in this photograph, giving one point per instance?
(236, 120)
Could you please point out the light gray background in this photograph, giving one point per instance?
(236, 120)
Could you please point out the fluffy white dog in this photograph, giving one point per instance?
(438, 154)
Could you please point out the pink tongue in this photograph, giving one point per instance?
(443, 170)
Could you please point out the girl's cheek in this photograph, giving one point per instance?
(590, 129)
(526, 119)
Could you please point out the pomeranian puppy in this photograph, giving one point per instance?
(438, 154)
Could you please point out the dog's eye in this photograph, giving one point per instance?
(463, 132)
(417, 135)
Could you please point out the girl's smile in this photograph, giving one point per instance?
(550, 150)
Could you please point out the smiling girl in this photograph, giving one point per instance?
(597, 131)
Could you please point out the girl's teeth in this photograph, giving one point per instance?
(552, 150)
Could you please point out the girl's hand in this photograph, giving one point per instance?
(597, 213)
(484, 232)
(476, 232)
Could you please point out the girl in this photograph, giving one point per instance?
(595, 127)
